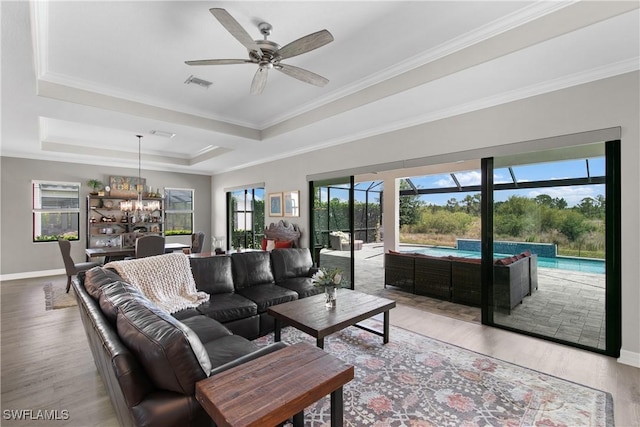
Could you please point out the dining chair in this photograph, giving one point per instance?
(71, 267)
(197, 241)
(149, 246)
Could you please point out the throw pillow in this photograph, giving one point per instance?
(268, 244)
(282, 244)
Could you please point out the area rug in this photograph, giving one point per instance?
(416, 381)
(55, 296)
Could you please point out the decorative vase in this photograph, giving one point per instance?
(330, 296)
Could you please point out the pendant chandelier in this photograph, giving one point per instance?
(138, 208)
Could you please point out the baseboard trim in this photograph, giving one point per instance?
(32, 274)
(629, 358)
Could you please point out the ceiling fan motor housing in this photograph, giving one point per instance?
(268, 49)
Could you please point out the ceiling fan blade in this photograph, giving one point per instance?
(303, 75)
(259, 81)
(219, 62)
(305, 44)
(235, 29)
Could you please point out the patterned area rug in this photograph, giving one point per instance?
(55, 296)
(416, 381)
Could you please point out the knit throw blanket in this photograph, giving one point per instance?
(165, 279)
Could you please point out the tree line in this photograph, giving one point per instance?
(539, 219)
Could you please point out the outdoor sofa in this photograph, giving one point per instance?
(457, 279)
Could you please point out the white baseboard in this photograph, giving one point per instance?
(629, 358)
(32, 274)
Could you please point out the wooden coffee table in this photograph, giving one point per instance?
(311, 316)
(275, 387)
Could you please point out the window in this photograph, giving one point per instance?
(178, 211)
(246, 217)
(56, 210)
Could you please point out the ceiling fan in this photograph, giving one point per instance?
(267, 54)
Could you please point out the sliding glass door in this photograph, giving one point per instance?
(550, 243)
(332, 229)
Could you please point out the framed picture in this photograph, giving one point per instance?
(275, 204)
(291, 203)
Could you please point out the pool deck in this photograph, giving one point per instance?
(568, 305)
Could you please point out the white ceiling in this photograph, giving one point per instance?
(81, 79)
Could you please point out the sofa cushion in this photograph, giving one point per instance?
(166, 348)
(186, 313)
(289, 263)
(206, 328)
(212, 275)
(228, 348)
(114, 294)
(251, 268)
(228, 307)
(467, 260)
(267, 295)
(303, 286)
(97, 277)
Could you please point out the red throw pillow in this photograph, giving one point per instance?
(504, 261)
(283, 244)
(263, 244)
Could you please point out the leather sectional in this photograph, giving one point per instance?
(150, 360)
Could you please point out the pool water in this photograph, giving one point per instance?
(583, 265)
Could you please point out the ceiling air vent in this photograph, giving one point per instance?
(162, 133)
(192, 79)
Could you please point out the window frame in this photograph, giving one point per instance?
(36, 223)
(246, 238)
(168, 211)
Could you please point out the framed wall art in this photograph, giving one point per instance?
(275, 204)
(291, 202)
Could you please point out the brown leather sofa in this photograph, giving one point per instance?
(149, 360)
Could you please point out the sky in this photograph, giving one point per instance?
(542, 171)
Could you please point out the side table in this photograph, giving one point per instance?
(273, 388)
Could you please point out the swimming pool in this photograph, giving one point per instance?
(583, 265)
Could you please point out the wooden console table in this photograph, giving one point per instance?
(273, 388)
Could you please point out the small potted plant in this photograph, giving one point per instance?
(331, 280)
(95, 186)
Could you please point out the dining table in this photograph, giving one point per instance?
(111, 253)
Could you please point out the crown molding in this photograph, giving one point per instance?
(39, 11)
(84, 97)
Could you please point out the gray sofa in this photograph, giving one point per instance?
(150, 360)
(458, 279)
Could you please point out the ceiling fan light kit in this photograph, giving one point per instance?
(267, 54)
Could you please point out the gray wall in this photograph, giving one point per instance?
(19, 254)
(603, 104)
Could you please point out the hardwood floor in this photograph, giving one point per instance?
(47, 365)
